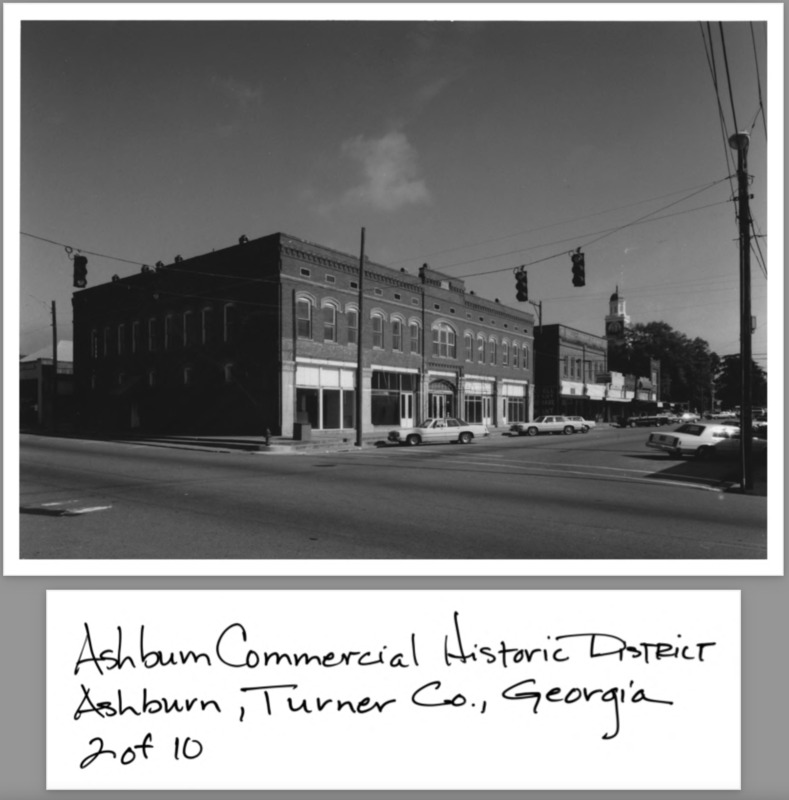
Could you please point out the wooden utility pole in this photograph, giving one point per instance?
(739, 142)
(54, 367)
(359, 348)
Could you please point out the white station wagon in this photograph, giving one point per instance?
(549, 424)
(439, 430)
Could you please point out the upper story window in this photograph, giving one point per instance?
(352, 317)
(480, 349)
(515, 355)
(169, 332)
(444, 343)
(153, 335)
(230, 322)
(136, 343)
(329, 323)
(190, 328)
(206, 325)
(94, 343)
(415, 335)
(121, 339)
(492, 351)
(378, 330)
(397, 335)
(468, 342)
(505, 354)
(106, 348)
(304, 318)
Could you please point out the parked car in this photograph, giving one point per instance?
(692, 438)
(649, 420)
(586, 424)
(439, 430)
(549, 424)
(730, 448)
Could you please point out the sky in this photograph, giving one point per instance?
(475, 147)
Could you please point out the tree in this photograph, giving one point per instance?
(728, 382)
(687, 366)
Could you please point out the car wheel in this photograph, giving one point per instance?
(585, 429)
(531, 431)
(412, 440)
(704, 452)
(568, 429)
(631, 424)
(465, 437)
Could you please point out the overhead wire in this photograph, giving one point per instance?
(758, 84)
(604, 234)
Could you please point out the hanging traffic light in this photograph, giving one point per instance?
(579, 268)
(80, 272)
(522, 286)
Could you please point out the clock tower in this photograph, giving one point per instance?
(617, 320)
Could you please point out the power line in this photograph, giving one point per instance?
(544, 227)
(758, 84)
(608, 232)
(728, 77)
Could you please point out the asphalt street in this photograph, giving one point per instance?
(603, 495)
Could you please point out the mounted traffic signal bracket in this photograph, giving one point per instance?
(579, 268)
(522, 285)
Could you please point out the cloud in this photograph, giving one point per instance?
(239, 93)
(391, 177)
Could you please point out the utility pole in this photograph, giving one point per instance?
(739, 142)
(359, 348)
(54, 367)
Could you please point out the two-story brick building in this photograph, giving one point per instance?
(265, 335)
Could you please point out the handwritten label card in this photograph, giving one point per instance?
(393, 690)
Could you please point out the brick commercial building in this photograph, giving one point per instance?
(264, 335)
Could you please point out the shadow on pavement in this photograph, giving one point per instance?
(722, 473)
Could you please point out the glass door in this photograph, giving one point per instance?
(407, 410)
(487, 410)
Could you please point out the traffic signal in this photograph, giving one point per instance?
(80, 272)
(522, 286)
(579, 269)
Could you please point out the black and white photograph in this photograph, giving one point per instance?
(395, 292)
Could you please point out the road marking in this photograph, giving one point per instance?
(89, 510)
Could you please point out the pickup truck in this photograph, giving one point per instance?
(551, 424)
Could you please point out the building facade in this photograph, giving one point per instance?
(577, 372)
(265, 335)
(572, 372)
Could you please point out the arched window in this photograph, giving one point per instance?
(397, 334)
(415, 334)
(352, 318)
(304, 318)
(515, 355)
(378, 330)
(468, 344)
(492, 351)
(481, 349)
(329, 322)
(231, 322)
(505, 353)
(206, 324)
(444, 342)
